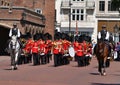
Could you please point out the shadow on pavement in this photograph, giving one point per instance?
(94, 73)
(8, 69)
(103, 84)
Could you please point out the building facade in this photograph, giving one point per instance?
(107, 15)
(33, 16)
(89, 15)
(75, 15)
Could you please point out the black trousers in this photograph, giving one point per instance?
(65, 60)
(36, 60)
(81, 61)
(43, 59)
(57, 59)
(48, 57)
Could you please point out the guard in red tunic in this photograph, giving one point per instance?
(57, 49)
(48, 49)
(21, 59)
(85, 47)
(65, 47)
(80, 55)
(27, 49)
(35, 50)
(88, 55)
(42, 51)
(75, 44)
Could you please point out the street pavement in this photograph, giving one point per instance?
(27, 74)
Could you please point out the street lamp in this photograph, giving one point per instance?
(70, 17)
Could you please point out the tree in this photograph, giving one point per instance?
(116, 4)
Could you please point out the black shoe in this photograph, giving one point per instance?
(15, 68)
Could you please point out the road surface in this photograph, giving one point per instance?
(62, 75)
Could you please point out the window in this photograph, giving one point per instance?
(110, 8)
(77, 14)
(101, 5)
(77, 17)
(39, 11)
(82, 17)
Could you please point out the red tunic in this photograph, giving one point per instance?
(65, 46)
(85, 47)
(42, 46)
(79, 51)
(28, 46)
(48, 45)
(89, 51)
(75, 44)
(35, 47)
(57, 47)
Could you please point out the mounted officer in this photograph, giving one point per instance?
(14, 31)
(103, 36)
(14, 46)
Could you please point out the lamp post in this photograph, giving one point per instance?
(70, 17)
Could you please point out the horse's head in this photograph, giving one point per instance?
(102, 49)
(14, 38)
(101, 45)
(13, 42)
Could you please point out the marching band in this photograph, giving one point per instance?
(42, 49)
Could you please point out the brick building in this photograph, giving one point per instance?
(32, 16)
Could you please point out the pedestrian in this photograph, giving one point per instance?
(117, 51)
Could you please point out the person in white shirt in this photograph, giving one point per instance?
(103, 35)
(14, 31)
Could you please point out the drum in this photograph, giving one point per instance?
(71, 51)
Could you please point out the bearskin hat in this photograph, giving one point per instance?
(28, 34)
(76, 38)
(48, 36)
(57, 36)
